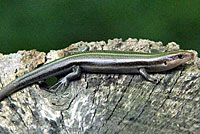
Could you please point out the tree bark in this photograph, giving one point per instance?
(102, 103)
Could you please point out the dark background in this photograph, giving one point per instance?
(55, 24)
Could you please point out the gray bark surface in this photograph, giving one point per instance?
(102, 103)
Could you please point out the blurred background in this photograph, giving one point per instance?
(55, 24)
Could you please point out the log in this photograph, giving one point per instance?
(102, 103)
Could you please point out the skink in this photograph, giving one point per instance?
(109, 62)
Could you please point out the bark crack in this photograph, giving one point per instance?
(145, 105)
(122, 95)
(168, 94)
(127, 111)
(115, 106)
(18, 114)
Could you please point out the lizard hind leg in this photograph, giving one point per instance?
(63, 83)
(60, 85)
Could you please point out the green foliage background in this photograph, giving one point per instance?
(54, 24)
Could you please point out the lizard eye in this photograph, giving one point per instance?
(165, 62)
(180, 56)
